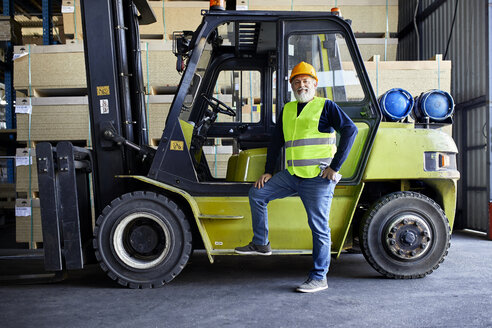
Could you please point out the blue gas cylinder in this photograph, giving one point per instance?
(396, 104)
(435, 104)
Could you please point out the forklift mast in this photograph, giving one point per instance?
(119, 134)
(115, 89)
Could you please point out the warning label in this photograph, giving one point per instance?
(103, 90)
(176, 145)
(104, 105)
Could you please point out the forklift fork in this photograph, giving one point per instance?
(66, 215)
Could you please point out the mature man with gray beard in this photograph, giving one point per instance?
(307, 130)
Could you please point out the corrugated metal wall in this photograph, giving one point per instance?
(468, 51)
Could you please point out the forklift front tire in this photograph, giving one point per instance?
(142, 240)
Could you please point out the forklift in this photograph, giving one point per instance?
(140, 211)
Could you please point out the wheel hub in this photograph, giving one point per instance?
(408, 236)
(144, 239)
(141, 240)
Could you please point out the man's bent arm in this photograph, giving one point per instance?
(334, 118)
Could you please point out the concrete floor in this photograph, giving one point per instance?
(239, 291)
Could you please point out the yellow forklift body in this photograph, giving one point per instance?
(406, 145)
(225, 222)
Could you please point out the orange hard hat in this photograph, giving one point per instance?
(303, 68)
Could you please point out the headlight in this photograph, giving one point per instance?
(439, 161)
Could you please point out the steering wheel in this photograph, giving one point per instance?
(218, 106)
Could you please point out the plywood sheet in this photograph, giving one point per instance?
(54, 122)
(414, 76)
(159, 67)
(25, 227)
(49, 67)
(26, 176)
(59, 70)
(67, 118)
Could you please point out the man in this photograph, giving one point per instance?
(307, 130)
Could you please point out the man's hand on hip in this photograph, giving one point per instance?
(260, 183)
(329, 174)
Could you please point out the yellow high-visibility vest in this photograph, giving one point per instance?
(305, 147)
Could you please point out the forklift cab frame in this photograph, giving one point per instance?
(246, 42)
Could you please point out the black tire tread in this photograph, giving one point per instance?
(364, 228)
(180, 216)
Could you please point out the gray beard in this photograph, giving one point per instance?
(305, 96)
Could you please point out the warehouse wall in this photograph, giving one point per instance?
(468, 51)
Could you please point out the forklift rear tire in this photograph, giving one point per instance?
(405, 235)
(142, 240)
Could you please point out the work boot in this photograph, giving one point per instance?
(312, 285)
(253, 249)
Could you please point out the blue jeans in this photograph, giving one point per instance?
(316, 195)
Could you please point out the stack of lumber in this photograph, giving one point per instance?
(414, 76)
(54, 118)
(59, 70)
(366, 16)
(67, 118)
(10, 30)
(368, 19)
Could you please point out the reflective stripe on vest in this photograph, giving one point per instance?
(308, 162)
(310, 142)
(305, 147)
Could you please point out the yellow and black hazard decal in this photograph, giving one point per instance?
(176, 145)
(103, 90)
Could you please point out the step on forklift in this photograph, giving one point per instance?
(140, 211)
